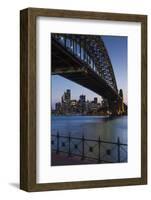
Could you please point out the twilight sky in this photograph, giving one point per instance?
(117, 50)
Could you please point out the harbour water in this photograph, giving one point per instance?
(91, 127)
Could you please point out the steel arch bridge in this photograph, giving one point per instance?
(84, 59)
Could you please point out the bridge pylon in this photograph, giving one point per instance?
(116, 106)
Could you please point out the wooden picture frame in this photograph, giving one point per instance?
(28, 98)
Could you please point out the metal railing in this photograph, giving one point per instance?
(95, 149)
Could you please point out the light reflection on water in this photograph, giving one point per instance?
(91, 127)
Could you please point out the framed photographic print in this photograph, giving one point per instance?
(83, 99)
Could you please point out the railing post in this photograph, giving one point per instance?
(69, 142)
(83, 156)
(99, 149)
(58, 137)
(118, 149)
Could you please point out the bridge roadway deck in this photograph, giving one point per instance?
(71, 67)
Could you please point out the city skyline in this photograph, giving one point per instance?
(73, 97)
(92, 98)
(80, 106)
(118, 58)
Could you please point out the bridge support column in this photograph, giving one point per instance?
(116, 106)
(113, 108)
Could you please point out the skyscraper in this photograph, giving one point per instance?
(95, 100)
(66, 96)
(65, 99)
(82, 98)
(82, 103)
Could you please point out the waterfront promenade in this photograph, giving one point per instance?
(63, 159)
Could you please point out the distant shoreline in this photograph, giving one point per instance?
(104, 116)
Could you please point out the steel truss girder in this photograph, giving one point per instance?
(95, 48)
